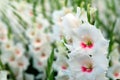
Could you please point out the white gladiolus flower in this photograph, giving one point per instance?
(29, 77)
(41, 57)
(18, 50)
(38, 40)
(102, 77)
(8, 58)
(70, 23)
(61, 64)
(58, 28)
(39, 50)
(57, 15)
(84, 67)
(3, 75)
(42, 41)
(57, 33)
(89, 38)
(115, 56)
(39, 65)
(42, 23)
(41, 76)
(7, 46)
(62, 77)
(34, 50)
(114, 72)
(22, 63)
(3, 38)
(82, 14)
(3, 33)
(31, 33)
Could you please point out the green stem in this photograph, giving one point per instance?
(34, 10)
(49, 70)
(111, 39)
(66, 2)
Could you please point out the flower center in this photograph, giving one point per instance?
(17, 51)
(43, 55)
(39, 26)
(20, 64)
(38, 40)
(2, 38)
(31, 13)
(32, 33)
(86, 69)
(7, 46)
(116, 74)
(37, 49)
(86, 42)
(12, 59)
(64, 67)
(40, 63)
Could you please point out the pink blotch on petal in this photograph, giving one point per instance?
(90, 46)
(88, 70)
(116, 74)
(83, 45)
(64, 67)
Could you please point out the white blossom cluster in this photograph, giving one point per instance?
(27, 37)
(88, 48)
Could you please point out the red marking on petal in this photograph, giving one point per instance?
(39, 26)
(12, 59)
(3, 38)
(31, 13)
(90, 46)
(40, 63)
(116, 74)
(17, 52)
(37, 49)
(84, 69)
(38, 41)
(8, 46)
(43, 55)
(20, 64)
(83, 45)
(88, 70)
(32, 33)
(64, 67)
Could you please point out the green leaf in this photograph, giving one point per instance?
(49, 70)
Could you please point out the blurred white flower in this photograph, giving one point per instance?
(114, 71)
(70, 23)
(18, 50)
(7, 46)
(29, 76)
(8, 58)
(22, 63)
(61, 64)
(3, 75)
(31, 33)
(39, 65)
(62, 77)
(3, 32)
(115, 55)
(39, 40)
